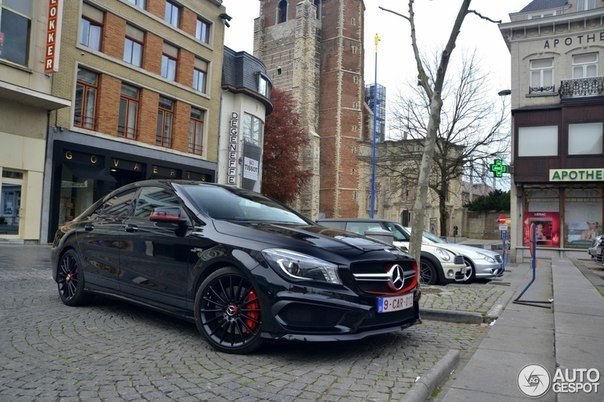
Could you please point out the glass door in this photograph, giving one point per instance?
(10, 205)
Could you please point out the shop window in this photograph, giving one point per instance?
(543, 211)
(252, 129)
(585, 139)
(168, 62)
(542, 76)
(91, 27)
(202, 30)
(128, 116)
(85, 99)
(133, 46)
(583, 216)
(10, 201)
(165, 120)
(15, 27)
(538, 141)
(196, 131)
(172, 14)
(200, 75)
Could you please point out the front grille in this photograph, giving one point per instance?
(376, 278)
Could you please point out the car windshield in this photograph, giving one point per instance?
(398, 232)
(429, 236)
(235, 204)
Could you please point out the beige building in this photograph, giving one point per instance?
(557, 48)
(25, 103)
(144, 78)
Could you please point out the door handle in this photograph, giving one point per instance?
(131, 228)
(89, 227)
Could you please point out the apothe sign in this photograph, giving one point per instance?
(595, 174)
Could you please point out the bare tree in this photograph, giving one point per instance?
(433, 90)
(472, 129)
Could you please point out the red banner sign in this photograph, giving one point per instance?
(53, 32)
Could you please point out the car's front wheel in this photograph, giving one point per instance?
(227, 312)
(470, 274)
(427, 273)
(70, 279)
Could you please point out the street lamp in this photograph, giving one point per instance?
(377, 40)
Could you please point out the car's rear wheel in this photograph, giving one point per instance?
(70, 279)
(227, 312)
(470, 274)
(427, 273)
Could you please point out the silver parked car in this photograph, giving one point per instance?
(482, 263)
(596, 250)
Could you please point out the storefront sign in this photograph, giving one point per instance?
(125, 165)
(53, 35)
(595, 174)
(82, 158)
(577, 40)
(165, 172)
(232, 159)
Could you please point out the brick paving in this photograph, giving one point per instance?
(478, 297)
(112, 350)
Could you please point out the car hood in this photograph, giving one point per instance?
(287, 235)
(468, 251)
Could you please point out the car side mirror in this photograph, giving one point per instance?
(168, 215)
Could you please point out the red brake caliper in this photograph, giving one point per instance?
(251, 303)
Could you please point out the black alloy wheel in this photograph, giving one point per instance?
(470, 274)
(227, 312)
(70, 279)
(427, 273)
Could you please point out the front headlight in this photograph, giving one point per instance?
(444, 254)
(488, 258)
(301, 266)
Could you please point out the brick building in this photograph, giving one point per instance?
(315, 49)
(556, 49)
(144, 78)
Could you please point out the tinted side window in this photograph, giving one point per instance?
(150, 198)
(118, 206)
(362, 227)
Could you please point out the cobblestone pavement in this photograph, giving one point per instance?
(478, 297)
(115, 351)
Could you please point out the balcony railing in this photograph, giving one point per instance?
(582, 87)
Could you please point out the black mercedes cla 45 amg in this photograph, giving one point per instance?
(243, 267)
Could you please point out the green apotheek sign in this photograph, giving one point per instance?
(595, 174)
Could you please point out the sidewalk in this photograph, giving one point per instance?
(570, 335)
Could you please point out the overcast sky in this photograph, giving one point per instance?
(434, 19)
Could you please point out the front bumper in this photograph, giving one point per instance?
(318, 317)
(486, 270)
(454, 272)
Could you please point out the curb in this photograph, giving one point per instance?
(463, 317)
(423, 387)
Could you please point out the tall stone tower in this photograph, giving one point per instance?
(314, 48)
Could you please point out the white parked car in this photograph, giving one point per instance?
(438, 265)
(482, 263)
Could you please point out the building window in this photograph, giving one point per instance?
(318, 5)
(538, 141)
(133, 46)
(252, 129)
(542, 75)
(15, 26)
(585, 139)
(282, 11)
(202, 31)
(168, 62)
(263, 86)
(91, 27)
(165, 119)
(85, 99)
(172, 14)
(200, 75)
(585, 5)
(196, 131)
(585, 65)
(128, 117)
(139, 3)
